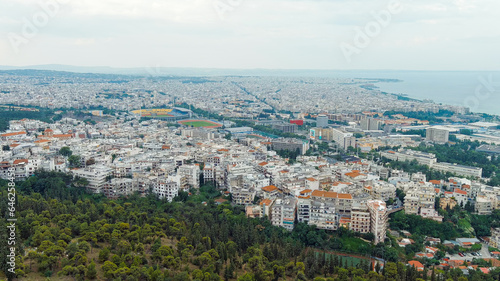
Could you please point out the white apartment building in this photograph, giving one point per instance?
(422, 158)
(191, 174)
(483, 205)
(95, 175)
(460, 170)
(118, 187)
(419, 197)
(168, 190)
(303, 210)
(378, 219)
(360, 218)
(323, 215)
(343, 139)
(283, 212)
(243, 196)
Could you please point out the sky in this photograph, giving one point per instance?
(250, 34)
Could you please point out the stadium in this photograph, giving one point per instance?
(167, 114)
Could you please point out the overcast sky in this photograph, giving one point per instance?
(275, 34)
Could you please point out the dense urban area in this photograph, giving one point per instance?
(244, 178)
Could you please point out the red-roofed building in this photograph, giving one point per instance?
(436, 183)
(269, 191)
(312, 183)
(13, 135)
(460, 196)
(418, 265)
(484, 270)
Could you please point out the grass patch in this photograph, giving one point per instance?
(198, 124)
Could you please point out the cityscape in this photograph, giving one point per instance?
(247, 173)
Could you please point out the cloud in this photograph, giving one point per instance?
(254, 33)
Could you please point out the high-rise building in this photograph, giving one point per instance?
(343, 139)
(378, 219)
(322, 121)
(370, 124)
(438, 135)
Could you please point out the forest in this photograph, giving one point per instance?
(8, 114)
(63, 233)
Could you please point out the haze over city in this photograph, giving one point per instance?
(274, 34)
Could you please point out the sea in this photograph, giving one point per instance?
(477, 90)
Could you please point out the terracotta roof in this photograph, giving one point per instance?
(344, 196)
(327, 194)
(13, 134)
(19, 161)
(305, 191)
(269, 188)
(311, 179)
(63, 136)
(459, 191)
(263, 164)
(41, 141)
(354, 174)
(266, 201)
(418, 265)
(435, 182)
(484, 270)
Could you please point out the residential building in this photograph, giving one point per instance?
(283, 212)
(96, 175)
(460, 170)
(343, 139)
(378, 219)
(483, 205)
(166, 190)
(360, 218)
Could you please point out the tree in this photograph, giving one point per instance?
(103, 255)
(91, 271)
(65, 151)
(5, 148)
(109, 268)
(74, 161)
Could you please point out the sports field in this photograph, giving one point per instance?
(200, 123)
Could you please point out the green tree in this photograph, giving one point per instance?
(91, 271)
(65, 151)
(74, 161)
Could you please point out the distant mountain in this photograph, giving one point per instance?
(179, 71)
